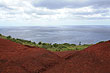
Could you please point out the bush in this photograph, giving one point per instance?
(66, 44)
(13, 39)
(55, 45)
(62, 46)
(101, 42)
(8, 37)
(0, 34)
(76, 48)
(44, 44)
(40, 43)
(73, 44)
(86, 44)
(33, 42)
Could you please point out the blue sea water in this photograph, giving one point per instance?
(87, 34)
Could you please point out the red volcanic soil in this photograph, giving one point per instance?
(17, 58)
(94, 59)
(65, 54)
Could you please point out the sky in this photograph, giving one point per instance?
(54, 12)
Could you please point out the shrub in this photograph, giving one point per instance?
(34, 42)
(101, 42)
(62, 46)
(57, 49)
(44, 44)
(66, 44)
(8, 37)
(76, 48)
(0, 34)
(40, 43)
(86, 44)
(73, 44)
(13, 39)
(55, 45)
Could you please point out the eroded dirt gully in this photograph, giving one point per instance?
(17, 58)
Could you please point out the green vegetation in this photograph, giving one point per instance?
(48, 46)
(101, 42)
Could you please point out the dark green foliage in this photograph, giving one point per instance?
(34, 42)
(76, 48)
(40, 43)
(44, 44)
(8, 37)
(0, 34)
(66, 44)
(55, 45)
(73, 44)
(101, 42)
(57, 49)
(61, 46)
(86, 44)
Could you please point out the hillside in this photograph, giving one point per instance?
(17, 58)
(94, 59)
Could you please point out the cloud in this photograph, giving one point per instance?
(32, 10)
(57, 4)
(100, 3)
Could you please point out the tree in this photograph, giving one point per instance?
(55, 45)
(8, 37)
(0, 34)
(79, 43)
(34, 42)
(40, 43)
(44, 44)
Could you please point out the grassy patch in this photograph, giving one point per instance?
(48, 46)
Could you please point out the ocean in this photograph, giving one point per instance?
(86, 34)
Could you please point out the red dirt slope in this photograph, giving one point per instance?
(94, 59)
(17, 58)
(65, 54)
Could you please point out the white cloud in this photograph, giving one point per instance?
(25, 10)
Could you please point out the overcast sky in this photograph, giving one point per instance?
(54, 12)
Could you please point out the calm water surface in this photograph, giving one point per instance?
(65, 34)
